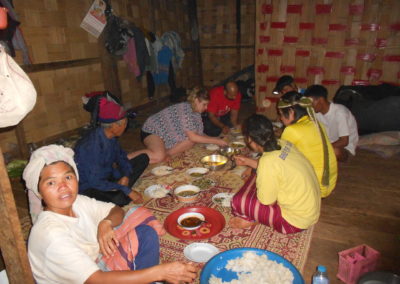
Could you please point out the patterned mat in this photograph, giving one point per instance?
(292, 247)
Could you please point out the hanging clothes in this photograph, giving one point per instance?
(17, 40)
(7, 34)
(164, 57)
(173, 41)
(142, 55)
(130, 57)
(157, 45)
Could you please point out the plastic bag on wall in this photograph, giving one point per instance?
(17, 93)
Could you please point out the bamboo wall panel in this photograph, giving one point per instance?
(334, 43)
(247, 57)
(220, 48)
(59, 105)
(132, 88)
(51, 30)
(248, 9)
(52, 33)
(217, 22)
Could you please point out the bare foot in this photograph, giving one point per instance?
(239, 223)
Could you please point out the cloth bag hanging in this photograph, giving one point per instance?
(17, 93)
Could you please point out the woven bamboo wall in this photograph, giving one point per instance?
(59, 103)
(52, 32)
(222, 53)
(334, 43)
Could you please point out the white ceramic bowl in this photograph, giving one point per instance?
(197, 172)
(184, 217)
(187, 187)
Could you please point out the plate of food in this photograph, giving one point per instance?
(162, 171)
(238, 144)
(204, 183)
(200, 252)
(223, 199)
(157, 191)
(249, 265)
(197, 172)
(212, 147)
(236, 131)
(211, 225)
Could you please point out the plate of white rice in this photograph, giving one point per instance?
(249, 266)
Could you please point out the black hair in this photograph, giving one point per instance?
(260, 130)
(298, 110)
(317, 91)
(283, 81)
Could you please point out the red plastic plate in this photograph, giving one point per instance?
(214, 224)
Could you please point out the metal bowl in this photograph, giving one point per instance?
(229, 151)
(214, 162)
(379, 277)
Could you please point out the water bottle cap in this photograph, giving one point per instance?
(321, 268)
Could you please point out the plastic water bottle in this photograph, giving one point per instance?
(320, 276)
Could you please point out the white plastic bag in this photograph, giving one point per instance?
(17, 93)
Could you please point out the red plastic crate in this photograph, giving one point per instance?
(355, 262)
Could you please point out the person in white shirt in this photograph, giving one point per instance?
(338, 120)
(77, 239)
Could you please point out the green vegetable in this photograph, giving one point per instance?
(15, 168)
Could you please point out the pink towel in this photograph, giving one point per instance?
(130, 58)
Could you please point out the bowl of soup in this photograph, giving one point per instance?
(214, 162)
(187, 193)
(191, 220)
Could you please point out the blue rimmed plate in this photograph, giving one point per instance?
(216, 265)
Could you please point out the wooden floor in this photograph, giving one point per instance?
(363, 209)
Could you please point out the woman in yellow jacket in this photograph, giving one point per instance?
(309, 136)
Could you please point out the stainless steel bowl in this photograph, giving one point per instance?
(229, 151)
(214, 162)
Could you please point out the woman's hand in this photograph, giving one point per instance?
(136, 197)
(221, 142)
(245, 161)
(123, 181)
(178, 272)
(241, 160)
(106, 238)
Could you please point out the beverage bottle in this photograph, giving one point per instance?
(320, 276)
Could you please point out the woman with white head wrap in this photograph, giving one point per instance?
(77, 239)
(41, 157)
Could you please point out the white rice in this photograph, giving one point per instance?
(253, 268)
